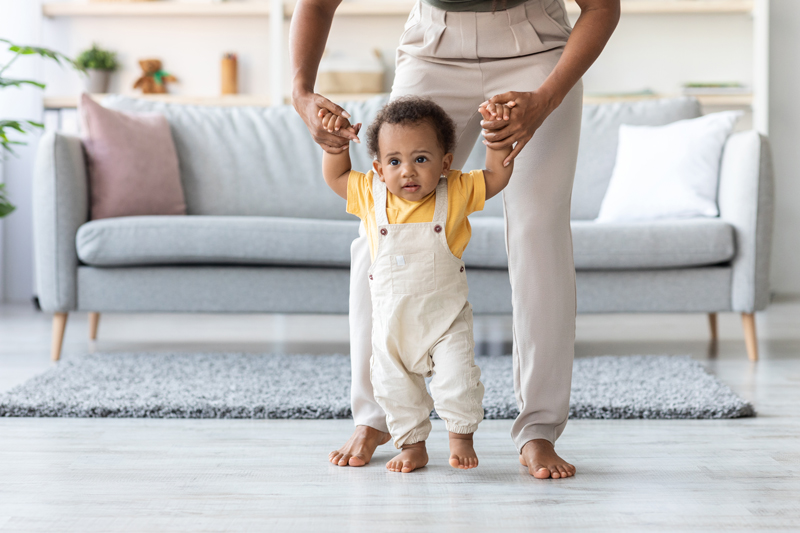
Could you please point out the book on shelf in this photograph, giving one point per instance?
(725, 88)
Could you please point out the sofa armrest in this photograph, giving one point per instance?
(746, 201)
(60, 206)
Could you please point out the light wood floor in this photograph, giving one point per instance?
(88, 475)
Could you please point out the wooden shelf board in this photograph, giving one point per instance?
(656, 7)
(721, 100)
(232, 100)
(356, 8)
(155, 9)
(68, 102)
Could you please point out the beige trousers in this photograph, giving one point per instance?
(460, 60)
(421, 327)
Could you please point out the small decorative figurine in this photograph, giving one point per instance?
(153, 80)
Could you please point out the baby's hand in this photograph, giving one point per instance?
(496, 111)
(332, 122)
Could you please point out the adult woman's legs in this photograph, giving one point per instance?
(541, 269)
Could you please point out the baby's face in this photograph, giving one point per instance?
(411, 160)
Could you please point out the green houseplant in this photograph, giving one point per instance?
(21, 126)
(99, 64)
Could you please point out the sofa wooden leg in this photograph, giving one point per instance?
(749, 323)
(59, 325)
(94, 321)
(712, 324)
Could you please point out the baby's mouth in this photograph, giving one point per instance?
(411, 187)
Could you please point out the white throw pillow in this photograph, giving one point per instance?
(667, 171)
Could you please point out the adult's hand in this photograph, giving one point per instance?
(334, 141)
(528, 112)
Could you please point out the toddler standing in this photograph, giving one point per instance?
(414, 209)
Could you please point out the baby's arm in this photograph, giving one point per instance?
(496, 175)
(336, 166)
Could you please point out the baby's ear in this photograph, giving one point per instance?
(378, 168)
(447, 161)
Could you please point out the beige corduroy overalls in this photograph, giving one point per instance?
(421, 327)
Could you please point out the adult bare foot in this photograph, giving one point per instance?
(359, 449)
(412, 457)
(462, 453)
(543, 462)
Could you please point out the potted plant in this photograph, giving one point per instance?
(99, 64)
(21, 126)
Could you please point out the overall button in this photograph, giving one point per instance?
(384, 232)
(462, 270)
(370, 276)
(437, 229)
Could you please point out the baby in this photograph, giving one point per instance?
(414, 209)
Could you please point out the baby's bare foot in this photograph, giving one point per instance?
(412, 457)
(462, 453)
(359, 449)
(543, 462)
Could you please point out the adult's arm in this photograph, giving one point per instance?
(308, 33)
(592, 30)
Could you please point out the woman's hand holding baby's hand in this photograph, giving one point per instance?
(530, 111)
(490, 111)
(308, 105)
(332, 123)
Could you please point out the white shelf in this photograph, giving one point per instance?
(355, 8)
(757, 9)
(154, 9)
(233, 100)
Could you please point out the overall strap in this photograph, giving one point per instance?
(379, 199)
(440, 211)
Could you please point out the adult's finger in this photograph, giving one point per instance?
(321, 136)
(334, 149)
(496, 145)
(341, 122)
(502, 98)
(324, 103)
(515, 152)
(498, 135)
(496, 124)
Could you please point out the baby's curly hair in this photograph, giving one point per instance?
(413, 110)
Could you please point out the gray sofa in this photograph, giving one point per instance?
(264, 234)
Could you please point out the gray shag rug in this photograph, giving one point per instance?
(234, 385)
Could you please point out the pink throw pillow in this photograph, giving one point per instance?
(133, 164)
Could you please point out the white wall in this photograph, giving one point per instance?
(784, 132)
(20, 21)
(645, 52)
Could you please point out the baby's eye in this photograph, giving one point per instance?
(421, 159)
(394, 162)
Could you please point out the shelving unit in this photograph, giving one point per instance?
(69, 102)
(156, 9)
(362, 7)
(758, 9)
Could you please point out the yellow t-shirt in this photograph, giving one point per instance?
(466, 193)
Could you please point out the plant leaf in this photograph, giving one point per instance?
(43, 52)
(13, 124)
(9, 82)
(6, 207)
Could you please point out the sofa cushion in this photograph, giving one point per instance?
(598, 145)
(598, 148)
(129, 241)
(131, 162)
(257, 161)
(620, 245)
